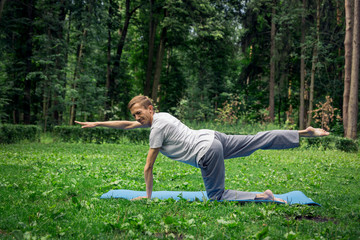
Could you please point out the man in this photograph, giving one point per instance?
(205, 149)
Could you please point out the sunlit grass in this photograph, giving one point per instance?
(52, 191)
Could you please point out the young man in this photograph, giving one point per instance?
(205, 149)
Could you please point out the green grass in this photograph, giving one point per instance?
(52, 191)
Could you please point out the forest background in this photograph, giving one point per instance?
(293, 62)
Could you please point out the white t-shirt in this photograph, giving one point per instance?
(177, 141)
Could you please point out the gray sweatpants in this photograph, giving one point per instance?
(232, 146)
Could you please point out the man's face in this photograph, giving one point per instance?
(142, 115)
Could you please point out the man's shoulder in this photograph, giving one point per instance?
(164, 120)
(163, 117)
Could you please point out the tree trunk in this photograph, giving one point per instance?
(159, 60)
(66, 59)
(302, 70)
(60, 65)
(348, 59)
(353, 107)
(272, 66)
(45, 106)
(289, 118)
(108, 60)
(28, 55)
(76, 72)
(152, 33)
(2, 4)
(114, 73)
(314, 62)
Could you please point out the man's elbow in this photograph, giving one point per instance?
(148, 169)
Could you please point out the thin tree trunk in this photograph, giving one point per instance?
(108, 52)
(339, 22)
(152, 33)
(108, 63)
(124, 31)
(302, 70)
(113, 73)
(314, 62)
(66, 59)
(159, 60)
(29, 53)
(283, 78)
(348, 59)
(289, 119)
(60, 64)
(2, 4)
(45, 106)
(354, 85)
(272, 66)
(76, 71)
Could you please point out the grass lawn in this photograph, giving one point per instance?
(52, 191)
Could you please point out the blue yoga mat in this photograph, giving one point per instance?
(295, 197)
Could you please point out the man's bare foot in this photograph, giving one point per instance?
(313, 132)
(268, 195)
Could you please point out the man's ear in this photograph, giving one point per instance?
(151, 108)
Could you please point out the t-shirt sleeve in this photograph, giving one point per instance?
(156, 138)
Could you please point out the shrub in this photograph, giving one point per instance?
(100, 134)
(331, 142)
(15, 133)
(347, 145)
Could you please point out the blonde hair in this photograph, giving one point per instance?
(142, 100)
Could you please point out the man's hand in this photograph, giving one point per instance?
(139, 198)
(87, 124)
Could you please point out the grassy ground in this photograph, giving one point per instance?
(52, 191)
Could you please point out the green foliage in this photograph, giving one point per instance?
(50, 191)
(73, 55)
(229, 111)
(331, 143)
(347, 145)
(15, 133)
(100, 135)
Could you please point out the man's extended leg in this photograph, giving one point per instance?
(244, 145)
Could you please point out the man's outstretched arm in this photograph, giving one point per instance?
(112, 124)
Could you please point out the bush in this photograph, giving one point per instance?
(15, 133)
(100, 134)
(331, 142)
(347, 145)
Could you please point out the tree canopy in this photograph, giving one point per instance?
(264, 60)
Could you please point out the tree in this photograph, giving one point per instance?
(84, 59)
(159, 62)
(151, 46)
(348, 60)
(2, 4)
(314, 62)
(302, 69)
(272, 65)
(353, 108)
(113, 67)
